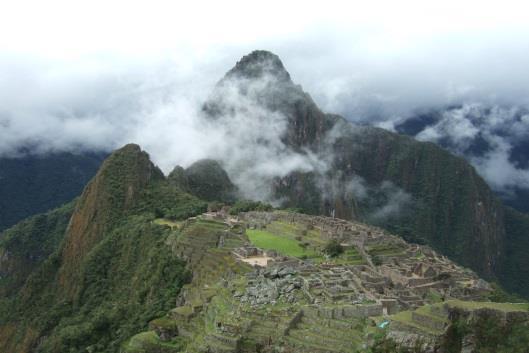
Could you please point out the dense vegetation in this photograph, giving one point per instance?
(247, 205)
(34, 184)
(333, 248)
(516, 262)
(208, 181)
(25, 246)
(489, 333)
(93, 299)
(128, 279)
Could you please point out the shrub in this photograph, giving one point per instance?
(333, 248)
(247, 205)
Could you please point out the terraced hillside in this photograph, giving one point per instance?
(262, 282)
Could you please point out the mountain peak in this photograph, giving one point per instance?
(259, 63)
(108, 196)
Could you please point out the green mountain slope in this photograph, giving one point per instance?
(24, 247)
(35, 184)
(110, 270)
(451, 207)
(113, 276)
(516, 263)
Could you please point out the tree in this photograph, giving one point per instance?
(333, 248)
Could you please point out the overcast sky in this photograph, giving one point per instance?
(97, 74)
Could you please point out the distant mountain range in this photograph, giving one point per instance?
(32, 184)
(415, 189)
(88, 276)
(494, 139)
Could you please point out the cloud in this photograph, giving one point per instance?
(499, 171)
(394, 202)
(68, 84)
(492, 138)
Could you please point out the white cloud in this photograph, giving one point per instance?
(500, 128)
(77, 75)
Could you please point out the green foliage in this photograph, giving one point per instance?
(500, 295)
(333, 248)
(35, 184)
(207, 180)
(492, 335)
(444, 193)
(515, 273)
(384, 344)
(247, 206)
(377, 261)
(127, 278)
(29, 243)
(167, 201)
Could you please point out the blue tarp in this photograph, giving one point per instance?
(383, 324)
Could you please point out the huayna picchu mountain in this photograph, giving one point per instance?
(449, 206)
(103, 274)
(144, 263)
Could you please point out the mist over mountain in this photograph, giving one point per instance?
(116, 260)
(99, 103)
(273, 177)
(493, 138)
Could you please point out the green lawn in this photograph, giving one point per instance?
(349, 257)
(286, 246)
(498, 306)
(167, 222)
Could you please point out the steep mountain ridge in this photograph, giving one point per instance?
(113, 191)
(484, 134)
(109, 270)
(124, 257)
(450, 206)
(134, 268)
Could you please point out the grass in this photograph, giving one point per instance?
(405, 318)
(385, 250)
(167, 222)
(292, 230)
(141, 341)
(349, 257)
(507, 307)
(282, 244)
(149, 341)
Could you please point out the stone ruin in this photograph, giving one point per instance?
(325, 299)
(404, 277)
